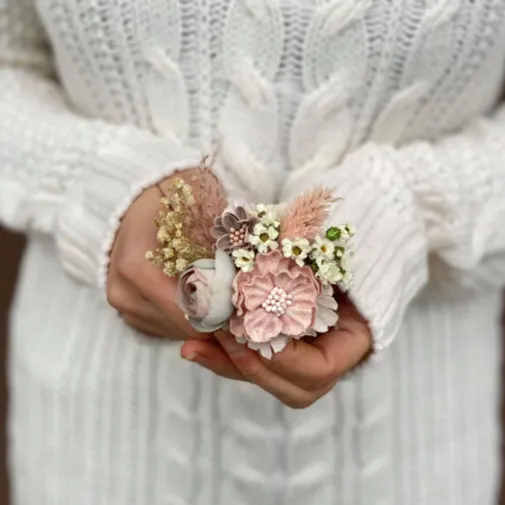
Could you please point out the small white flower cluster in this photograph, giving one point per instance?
(298, 249)
(266, 232)
(244, 259)
(328, 256)
(268, 214)
(262, 239)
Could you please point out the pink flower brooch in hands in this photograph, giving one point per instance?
(267, 272)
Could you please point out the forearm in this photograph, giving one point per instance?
(71, 176)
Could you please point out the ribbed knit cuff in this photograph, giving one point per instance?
(106, 184)
(390, 263)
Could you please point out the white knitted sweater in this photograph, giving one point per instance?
(382, 100)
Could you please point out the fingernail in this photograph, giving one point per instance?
(194, 357)
(191, 357)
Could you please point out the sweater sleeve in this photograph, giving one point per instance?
(62, 173)
(422, 211)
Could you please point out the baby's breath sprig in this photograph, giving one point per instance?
(328, 256)
(331, 256)
(176, 251)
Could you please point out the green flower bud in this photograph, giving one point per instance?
(333, 233)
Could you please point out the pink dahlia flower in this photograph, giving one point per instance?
(276, 299)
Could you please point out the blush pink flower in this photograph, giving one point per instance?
(276, 299)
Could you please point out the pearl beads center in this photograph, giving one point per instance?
(237, 237)
(277, 301)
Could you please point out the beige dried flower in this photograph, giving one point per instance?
(176, 251)
(209, 201)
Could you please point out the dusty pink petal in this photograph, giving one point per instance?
(304, 290)
(308, 274)
(304, 306)
(238, 297)
(304, 297)
(200, 275)
(183, 293)
(261, 326)
(286, 281)
(200, 302)
(252, 288)
(273, 262)
(296, 320)
(293, 274)
(192, 294)
(257, 292)
(237, 326)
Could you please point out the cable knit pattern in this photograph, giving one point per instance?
(393, 104)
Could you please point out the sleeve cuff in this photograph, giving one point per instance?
(107, 183)
(390, 262)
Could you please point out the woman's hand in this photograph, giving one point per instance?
(140, 292)
(299, 375)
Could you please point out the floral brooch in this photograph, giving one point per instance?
(266, 273)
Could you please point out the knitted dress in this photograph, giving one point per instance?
(394, 104)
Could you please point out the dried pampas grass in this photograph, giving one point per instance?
(306, 216)
(209, 202)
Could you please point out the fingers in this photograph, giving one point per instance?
(254, 370)
(305, 365)
(162, 291)
(211, 355)
(140, 313)
(130, 271)
(298, 376)
(145, 318)
(349, 319)
(320, 363)
(159, 289)
(126, 299)
(143, 291)
(302, 372)
(146, 327)
(135, 286)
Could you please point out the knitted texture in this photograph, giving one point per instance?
(384, 101)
